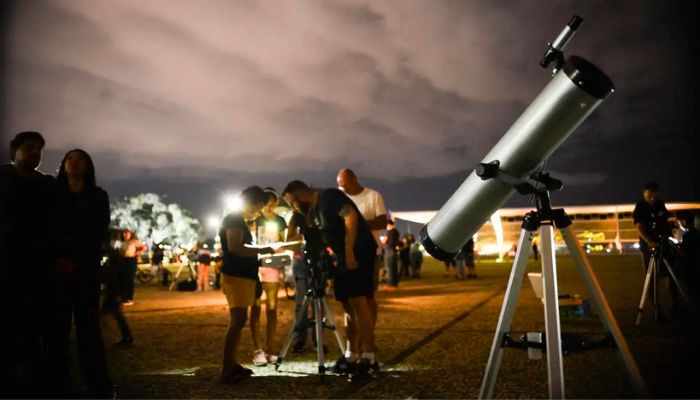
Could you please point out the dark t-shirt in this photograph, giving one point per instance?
(235, 265)
(392, 240)
(203, 256)
(654, 217)
(83, 219)
(327, 218)
(27, 218)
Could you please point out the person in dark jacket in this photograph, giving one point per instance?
(83, 221)
(26, 225)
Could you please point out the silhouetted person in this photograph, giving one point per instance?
(651, 218)
(416, 257)
(83, 221)
(465, 258)
(391, 256)
(114, 290)
(27, 249)
(131, 249)
(449, 262)
(404, 251)
(157, 263)
(535, 252)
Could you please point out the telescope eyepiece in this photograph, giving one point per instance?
(555, 51)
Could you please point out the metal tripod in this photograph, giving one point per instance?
(322, 318)
(658, 257)
(544, 219)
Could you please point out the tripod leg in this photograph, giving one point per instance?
(318, 311)
(675, 280)
(645, 291)
(488, 384)
(331, 324)
(555, 362)
(290, 335)
(655, 289)
(604, 310)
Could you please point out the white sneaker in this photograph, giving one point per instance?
(259, 358)
(272, 359)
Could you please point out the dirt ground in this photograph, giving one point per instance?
(433, 335)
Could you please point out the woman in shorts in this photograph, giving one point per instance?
(238, 275)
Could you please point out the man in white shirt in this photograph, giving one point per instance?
(371, 206)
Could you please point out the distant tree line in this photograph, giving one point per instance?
(154, 221)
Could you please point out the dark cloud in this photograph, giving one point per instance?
(410, 94)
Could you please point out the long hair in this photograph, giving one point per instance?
(62, 178)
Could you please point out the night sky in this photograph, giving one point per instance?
(194, 99)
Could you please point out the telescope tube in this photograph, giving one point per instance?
(567, 100)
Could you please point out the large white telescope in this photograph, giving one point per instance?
(577, 88)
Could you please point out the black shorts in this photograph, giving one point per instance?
(355, 283)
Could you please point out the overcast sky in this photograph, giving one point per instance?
(192, 99)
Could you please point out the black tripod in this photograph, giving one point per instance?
(322, 312)
(658, 257)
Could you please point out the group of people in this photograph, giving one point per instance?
(402, 256)
(56, 229)
(349, 220)
(53, 231)
(464, 260)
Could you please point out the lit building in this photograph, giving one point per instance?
(600, 229)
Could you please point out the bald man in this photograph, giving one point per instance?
(371, 205)
(368, 201)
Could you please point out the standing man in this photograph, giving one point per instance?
(651, 218)
(391, 258)
(27, 238)
(371, 205)
(344, 229)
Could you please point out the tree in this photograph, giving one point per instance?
(153, 221)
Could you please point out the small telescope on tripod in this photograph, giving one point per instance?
(576, 89)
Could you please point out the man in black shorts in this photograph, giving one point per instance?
(345, 231)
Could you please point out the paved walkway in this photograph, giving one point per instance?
(433, 335)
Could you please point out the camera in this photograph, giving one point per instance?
(319, 262)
